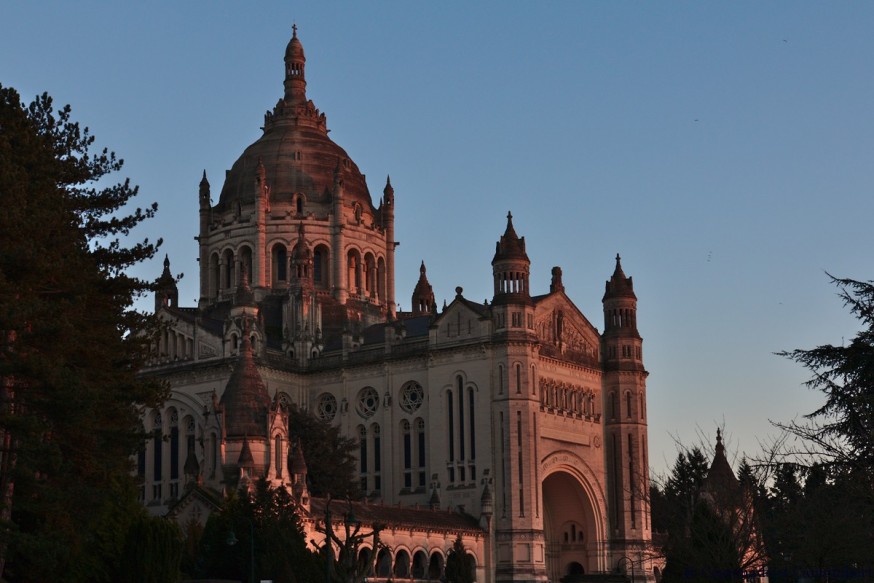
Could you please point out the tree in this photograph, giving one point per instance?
(821, 528)
(69, 391)
(280, 550)
(330, 457)
(344, 562)
(711, 519)
(152, 551)
(459, 564)
(841, 432)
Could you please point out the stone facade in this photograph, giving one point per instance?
(518, 416)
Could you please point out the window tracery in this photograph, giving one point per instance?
(326, 409)
(412, 396)
(368, 401)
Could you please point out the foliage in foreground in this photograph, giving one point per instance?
(280, 551)
(69, 394)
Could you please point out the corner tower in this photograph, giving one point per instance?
(625, 426)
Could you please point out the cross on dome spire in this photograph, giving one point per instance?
(295, 63)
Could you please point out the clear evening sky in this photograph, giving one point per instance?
(723, 149)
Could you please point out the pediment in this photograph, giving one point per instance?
(462, 318)
(562, 329)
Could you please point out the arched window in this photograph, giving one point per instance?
(362, 457)
(460, 386)
(471, 415)
(279, 264)
(518, 378)
(451, 425)
(613, 405)
(277, 455)
(377, 457)
(628, 404)
(228, 267)
(420, 447)
(321, 267)
(408, 454)
(500, 379)
(213, 275)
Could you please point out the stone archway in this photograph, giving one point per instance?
(570, 526)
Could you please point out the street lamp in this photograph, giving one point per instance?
(232, 540)
(630, 562)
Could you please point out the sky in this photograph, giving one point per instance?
(723, 149)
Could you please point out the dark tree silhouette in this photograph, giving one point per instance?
(69, 354)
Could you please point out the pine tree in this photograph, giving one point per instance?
(69, 354)
(841, 432)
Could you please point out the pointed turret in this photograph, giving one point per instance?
(423, 295)
(245, 400)
(388, 192)
(720, 478)
(167, 293)
(204, 195)
(295, 63)
(619, 285)
(511, 267)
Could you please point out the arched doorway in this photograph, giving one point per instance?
(569, 526)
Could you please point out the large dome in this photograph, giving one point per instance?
(297, 154)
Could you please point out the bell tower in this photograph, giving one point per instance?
(625, 426)
(519, 538)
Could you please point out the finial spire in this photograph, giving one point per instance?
(294, 30)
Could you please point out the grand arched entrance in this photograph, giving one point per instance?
(569, 526)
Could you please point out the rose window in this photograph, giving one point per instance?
(412, 396)
(327, 407)
(368, 401)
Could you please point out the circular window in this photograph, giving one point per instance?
(327, 407)
(368, 401)
(412, 396)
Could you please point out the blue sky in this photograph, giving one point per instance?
(723, 149)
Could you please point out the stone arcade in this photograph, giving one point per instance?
(514, 423)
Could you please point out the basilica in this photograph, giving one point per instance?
(514, 423)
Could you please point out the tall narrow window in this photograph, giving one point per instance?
(460, 382)
(521, 467)
(277, 454)
(500, 380)
(408, 454)
(420, 439)
(157, 461)
(518, 378)
(174, 453)
(449, 405)
(377, 457)
(628, 404)
(362, 457)
(631, 483)
(472, 420)
(317, 266)
(613, 405)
